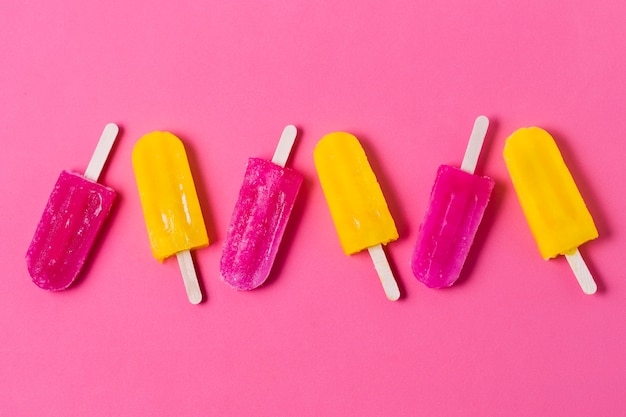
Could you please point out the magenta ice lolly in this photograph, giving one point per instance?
(456, 207)
(265, 201)
(69, 225)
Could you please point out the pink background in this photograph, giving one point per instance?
(515, 336)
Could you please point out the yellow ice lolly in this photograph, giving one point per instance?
(168, 195)
(556, 213)
(356, 202)
(552, 204)
(170, 203)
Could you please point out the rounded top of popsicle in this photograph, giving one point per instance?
(353, 194)
(149, 141)
(333, 138)
(337, 142)
(550, 199)
(529, 136)
(168, 195)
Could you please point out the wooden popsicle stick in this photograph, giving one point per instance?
(384, 272)
(287, 139)
(101, 153)
(475, 144)
(188, 270)
(583, 275)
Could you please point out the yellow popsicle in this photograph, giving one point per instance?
(356, 202)
(557, 215)
(168, 195)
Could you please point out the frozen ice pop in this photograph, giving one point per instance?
(258, 222)
(556, 213)
(456, 207)
(74, 214)
(356, 202)
(170, 204)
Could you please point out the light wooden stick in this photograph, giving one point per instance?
(101, 153)
(475, 144)
(384, 272)
(582, 273)
(188, 270)
(285, 144)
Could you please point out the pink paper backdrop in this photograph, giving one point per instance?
(515, 336)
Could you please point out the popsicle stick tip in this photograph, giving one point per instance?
(112, 127)
(290, 130)
(475, 144)
(393, 295)
(482, 120)
(590, 291)
(582, 273)
(190, 279)
(195, 298)
(283, 150)
(390, 286)
(102, 151)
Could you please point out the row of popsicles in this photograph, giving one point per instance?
(79, 205)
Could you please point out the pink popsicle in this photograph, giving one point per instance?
(258, 222)
(74, 214)
(456, 207)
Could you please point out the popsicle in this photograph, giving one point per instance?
(457, 203)
(265, 201)
(69, 225)
(556, 213)
(170, 204)
(356, 202)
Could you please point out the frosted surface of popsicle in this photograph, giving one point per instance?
(457, 203)
(73, 216)
(69, 225)
(456, 207)
(258, 222)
